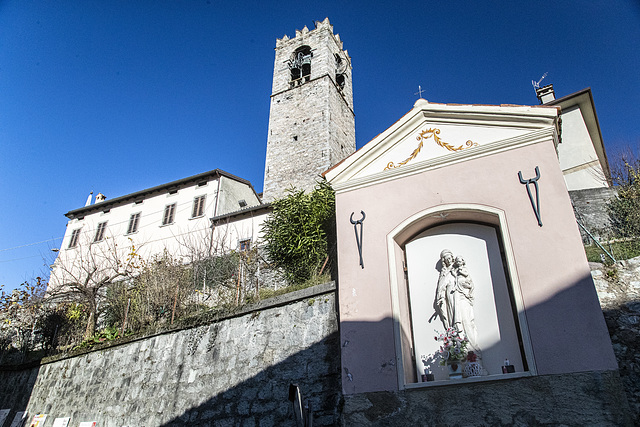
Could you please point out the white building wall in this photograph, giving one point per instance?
(151, 234)
(229, 234)
(577, 155)
(181, 238)
(231, 193)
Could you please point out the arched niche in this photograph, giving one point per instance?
(478, 234)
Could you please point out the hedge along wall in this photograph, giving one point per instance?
(236, 370)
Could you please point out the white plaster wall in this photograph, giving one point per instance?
(583, 179)
(229, 234)
(151, 234)
(575, 150)
(179, 239)
(231, 192)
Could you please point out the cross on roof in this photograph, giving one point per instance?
(419, 92)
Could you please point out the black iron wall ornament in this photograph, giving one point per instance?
(534, 204)
(358, 234)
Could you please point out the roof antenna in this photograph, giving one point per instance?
(536, 84)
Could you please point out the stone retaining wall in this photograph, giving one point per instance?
(560, 400)
(618, 288)
(236, 371)
(590, 209)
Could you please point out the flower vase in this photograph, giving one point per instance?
(455, 369)
(473, 369)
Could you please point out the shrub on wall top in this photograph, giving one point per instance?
(296, 233)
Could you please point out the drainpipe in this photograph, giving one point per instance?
(215, 213)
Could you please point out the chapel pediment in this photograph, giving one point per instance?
(437, 134)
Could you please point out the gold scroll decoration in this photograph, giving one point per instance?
(424, 135)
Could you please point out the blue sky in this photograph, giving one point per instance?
(118, 96)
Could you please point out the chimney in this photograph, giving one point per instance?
(100, 198)
(546, 94)
(89, 199)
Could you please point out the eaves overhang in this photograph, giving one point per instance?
(583, 99)
(143, 194)
(250, 211)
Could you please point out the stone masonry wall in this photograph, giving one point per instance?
(233, 372)
(590, 209)
(594, 399)
(618, 288)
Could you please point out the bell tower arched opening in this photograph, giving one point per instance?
(300, 65)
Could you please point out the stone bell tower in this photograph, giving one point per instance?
(311, 119)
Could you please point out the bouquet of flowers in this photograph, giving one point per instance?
(453, 348)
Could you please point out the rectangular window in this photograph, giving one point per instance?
(75, 236)
(245, 245)
(100, 231)
(133, 223)
(169, 214)
(198, 206)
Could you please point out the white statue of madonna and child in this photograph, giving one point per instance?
(453, 302)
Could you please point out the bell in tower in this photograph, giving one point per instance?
(300, 65)
(311, 119)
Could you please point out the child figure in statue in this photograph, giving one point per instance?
(461, 297)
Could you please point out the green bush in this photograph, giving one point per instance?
(624, 209)
(296, 233)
